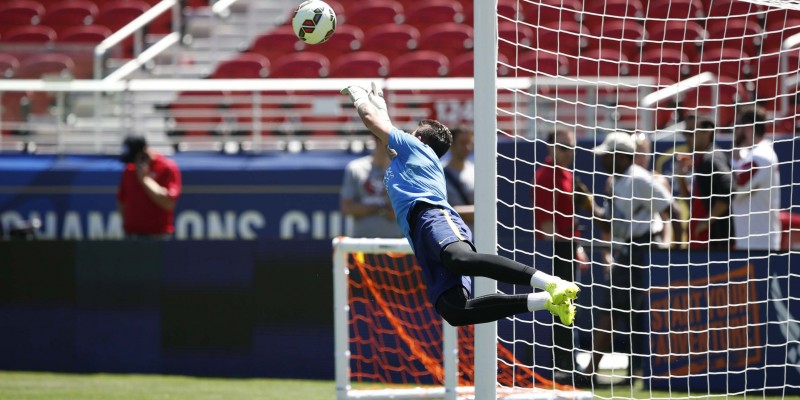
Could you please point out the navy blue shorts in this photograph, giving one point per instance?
(434, 229)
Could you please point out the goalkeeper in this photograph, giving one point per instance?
(441, 240)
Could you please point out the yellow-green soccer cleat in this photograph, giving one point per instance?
(561, 291)
(565, 311)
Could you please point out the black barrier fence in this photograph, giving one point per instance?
(222, 308)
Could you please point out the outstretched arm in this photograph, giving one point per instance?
(371, 108)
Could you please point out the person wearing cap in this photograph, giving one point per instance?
(148, 190)
(704, 178)
(635, 199)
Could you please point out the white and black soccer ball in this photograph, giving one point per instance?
(314, 21)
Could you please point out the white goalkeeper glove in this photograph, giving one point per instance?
(358, 95)
(376, 98)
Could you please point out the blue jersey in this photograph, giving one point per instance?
(415, 174)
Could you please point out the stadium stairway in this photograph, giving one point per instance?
(209, 39)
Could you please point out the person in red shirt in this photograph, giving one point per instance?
(556, 192)
(148, 190)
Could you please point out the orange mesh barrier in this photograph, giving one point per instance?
(396, 336)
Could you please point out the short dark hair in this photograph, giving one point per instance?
(559, 131)
(131, 147)
(436, 135)
(755, 116)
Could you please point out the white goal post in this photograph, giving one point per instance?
(343, 247)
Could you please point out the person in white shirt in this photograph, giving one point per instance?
(756, 192)
(634, 203)
(459, 173)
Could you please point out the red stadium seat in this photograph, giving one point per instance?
(391, 40)
(8, 65)
(730, 62)
(420, 64)
(366, 64)
(373, 13)
(301, 65)
(736, 33)
(69, 13)
(622, 35)
(450, 39)
(463, 66)
(243, 66)
(776, 34)
(685, 36)
(514, 39)
(542, 62)
(667, 65)
(601, 62)
(348, 38)
(721, 10)
(674, 9)
(777, 18)
(39, 65)
(541, 12)
(598, 14)
(116, 14)
(506, 10)
(30, 34)
(431, 12)
(562, 37)
(14, 13)
(90, 34)
(80, 41)
(278, 42)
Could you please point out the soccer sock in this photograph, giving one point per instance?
(539, 279)
(536, 300)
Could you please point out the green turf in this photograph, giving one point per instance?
(47, 386)
(50, 386)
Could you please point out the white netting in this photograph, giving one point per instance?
(693, 83)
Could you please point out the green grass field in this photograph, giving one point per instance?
(49, 386)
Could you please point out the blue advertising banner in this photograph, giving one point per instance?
(224, 197)
(724, 322)
(271, 195)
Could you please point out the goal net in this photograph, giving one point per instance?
(391, 344)
(688, 271)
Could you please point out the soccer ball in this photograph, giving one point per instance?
(314, 21)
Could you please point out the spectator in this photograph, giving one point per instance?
(149, 188)
(704, 178)
(556, 192)
(634, 202)
(643, 158)
(757, 194)
(460, 175)
(363, 197)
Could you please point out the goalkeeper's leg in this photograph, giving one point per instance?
(460, 258)
(458, 310)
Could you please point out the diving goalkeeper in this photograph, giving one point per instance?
(442, 243)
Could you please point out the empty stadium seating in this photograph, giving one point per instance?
(360, 64)
(391, 40)
(669, 41)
